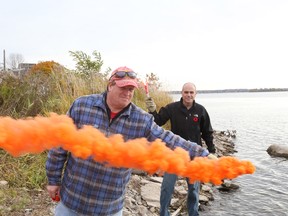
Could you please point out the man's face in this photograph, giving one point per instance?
(120, 97)
(188, 94)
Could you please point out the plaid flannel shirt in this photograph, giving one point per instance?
(89, 187)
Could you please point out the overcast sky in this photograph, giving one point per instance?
(217, 44)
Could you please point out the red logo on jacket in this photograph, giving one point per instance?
(195, 118)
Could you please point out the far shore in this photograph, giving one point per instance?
(235, 90)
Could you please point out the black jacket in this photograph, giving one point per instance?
(190, 124)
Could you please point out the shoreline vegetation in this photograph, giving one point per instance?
(49, 87)
(235, 90)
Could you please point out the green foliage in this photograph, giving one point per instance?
(86, 66)
(15, 198)
(26, 171)
(29, 96)
(19, 97)
(49, 89)
(40, 94)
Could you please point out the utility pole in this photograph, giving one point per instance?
(4, 61)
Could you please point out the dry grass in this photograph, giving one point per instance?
(26, 171)
(39, 95)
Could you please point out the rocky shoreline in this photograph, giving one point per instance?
(142, 195)
(143, 192)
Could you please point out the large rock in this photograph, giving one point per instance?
(278, 151)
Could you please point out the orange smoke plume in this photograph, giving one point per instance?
(35, 135)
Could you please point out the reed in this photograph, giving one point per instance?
(40, 94)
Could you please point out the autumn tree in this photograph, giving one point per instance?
(45, 67)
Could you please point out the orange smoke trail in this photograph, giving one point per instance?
(35, 135)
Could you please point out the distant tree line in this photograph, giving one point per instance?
(235, 90)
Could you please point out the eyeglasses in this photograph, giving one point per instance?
(122, 74)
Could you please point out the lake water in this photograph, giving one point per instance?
(260, 119)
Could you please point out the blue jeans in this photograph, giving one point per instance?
(62, 210)
(167, 189)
